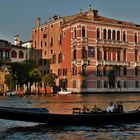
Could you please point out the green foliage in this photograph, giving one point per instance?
(50, 79)
(34, 75)
(10, 81)
(25, 72)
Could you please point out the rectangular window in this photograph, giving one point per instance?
(59, 72)
(137, 84)
(45, 53)
(91, 51)
(84, 84)
(105, 84)
(74, 83)
(44, 36)
(125, 84)
(40, 62)
(136, 55)
(65, 72)
(119, 84)
(98, 84)
(45, 62)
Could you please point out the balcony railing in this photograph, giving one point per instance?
(74, 62)
(136, 44)
(112, 42)
(74, 40)
(137, 64)
(107, 62)
(4, 58)
(85, 62)
(84, 39)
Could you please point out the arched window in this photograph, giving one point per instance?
(54, 59)
(41, 44)
(74, 83)
(35, 44)
(109, 34)
(118, 55)
(124, 36)
(60, 38)
(118, 35)
(21, 54)
(60, 57)
(136, 71)
(84, 53)
(83, 69)
(14, 54)
(124, 55)
(135, 38)
(104, 34)
(74, 54)
(74, 33)
(104, 71)
(136, 55)
(51, 41)
(74, 70)
(125, 71)
(113, 35)
(98, 71)
(83, 31)
(98, 33)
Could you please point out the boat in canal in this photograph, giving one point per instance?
(64, 92)
(42, 115)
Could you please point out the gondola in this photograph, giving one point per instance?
(43, 116)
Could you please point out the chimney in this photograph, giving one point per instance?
(38, 22)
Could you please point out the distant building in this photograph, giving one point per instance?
(27, 44)
(5, 49)
(19, 53)
(10, 53)
(89, 52)
(17, 40)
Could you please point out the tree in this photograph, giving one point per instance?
(34, 75)
(50, 79)
(23, 71)
(10, 81)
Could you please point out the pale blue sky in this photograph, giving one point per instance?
(19, 16)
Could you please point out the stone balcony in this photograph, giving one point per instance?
(74, 62)
(5, 59)
(85, 62)
(74, 40)
(137, 64)
(111, 43)
(113, 63)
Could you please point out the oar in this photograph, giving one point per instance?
(137, 108)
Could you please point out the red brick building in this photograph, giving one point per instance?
(89, 52)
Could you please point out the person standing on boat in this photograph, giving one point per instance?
(118, 107)
(110, 108)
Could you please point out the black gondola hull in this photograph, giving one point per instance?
(37, 116)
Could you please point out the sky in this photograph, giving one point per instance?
(18, 17)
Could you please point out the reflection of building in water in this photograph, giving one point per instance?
(93, 53)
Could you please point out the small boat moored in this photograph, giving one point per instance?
(64, 92)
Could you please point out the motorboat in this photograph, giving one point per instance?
(64, 92)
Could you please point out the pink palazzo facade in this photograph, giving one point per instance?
(90, 53)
